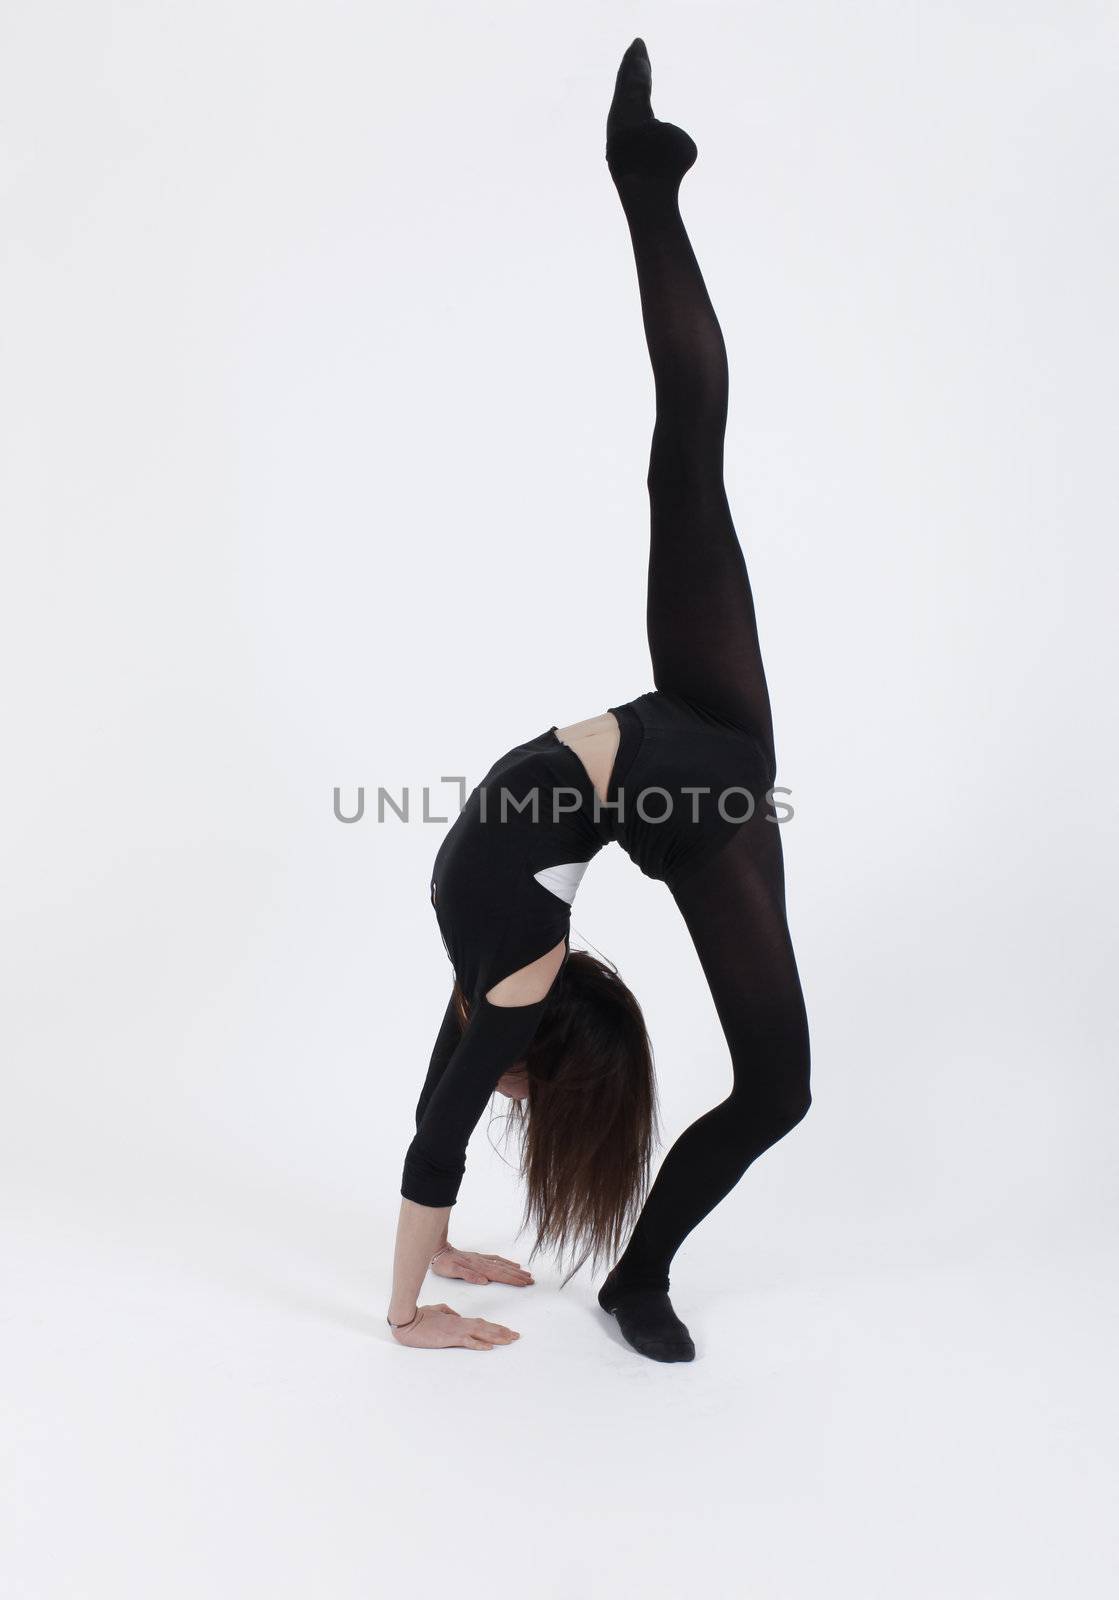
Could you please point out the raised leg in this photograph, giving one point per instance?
(700, 613)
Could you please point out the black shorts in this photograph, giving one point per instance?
(684, 781)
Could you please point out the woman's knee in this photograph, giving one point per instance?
(772, 1090)
(780, 1107)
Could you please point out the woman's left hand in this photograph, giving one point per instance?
(472, 1267)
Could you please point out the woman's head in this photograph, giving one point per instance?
(584, 1102)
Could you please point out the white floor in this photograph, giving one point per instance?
(201, 1399)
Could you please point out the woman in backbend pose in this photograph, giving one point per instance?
(679, 778)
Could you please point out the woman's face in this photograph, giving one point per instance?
(514, 1083)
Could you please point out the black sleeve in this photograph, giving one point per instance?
(446, 1041)
(455, 1095)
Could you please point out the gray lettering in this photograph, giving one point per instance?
(784, 806)
(688, 789)
(654, 789)
(461, 789)
(509, 799)
(427, 814)
(360, 806)
(382, 796)
(559, 811)
(722, 809)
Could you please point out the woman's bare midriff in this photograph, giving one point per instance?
(595, 741)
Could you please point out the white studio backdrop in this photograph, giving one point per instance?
(326, 414)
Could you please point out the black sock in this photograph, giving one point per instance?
(639, 147)
(630, 106)
(646, 1320)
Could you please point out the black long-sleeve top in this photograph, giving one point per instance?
(533, 811)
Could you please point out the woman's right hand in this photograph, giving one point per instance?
(440, 1328)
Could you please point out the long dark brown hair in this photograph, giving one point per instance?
(589, 1121)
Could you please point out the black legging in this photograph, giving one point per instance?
(704, 645)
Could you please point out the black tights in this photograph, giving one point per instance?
(704, 645)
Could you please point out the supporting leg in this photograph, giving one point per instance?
(734, 908)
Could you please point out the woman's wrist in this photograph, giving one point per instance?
(420, 1230)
